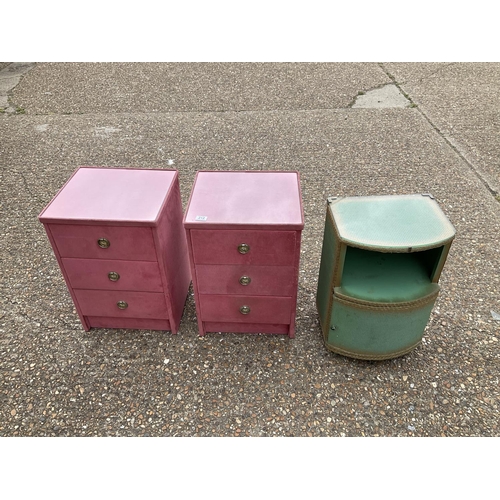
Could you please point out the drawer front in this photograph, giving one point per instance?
(228, 308)
(248, 280)
(138, 304)
(271, 248)
(125, 243)
(100, 274)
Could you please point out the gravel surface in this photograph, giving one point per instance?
(184, 87)
(58, 380)
(463, 101)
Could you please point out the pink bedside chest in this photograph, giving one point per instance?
(118, 238)
(244, 231)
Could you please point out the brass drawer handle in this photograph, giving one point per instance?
(103, 243)
(113, 276)
(245, 280)
(243, 248)
(244, 310)
(122, 304)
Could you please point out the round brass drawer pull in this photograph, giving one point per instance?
(243, 248)
(122, 304)
(113, 276)
(245, 280)
(244, 310)
(103, 243)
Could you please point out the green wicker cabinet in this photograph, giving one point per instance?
(381, 260)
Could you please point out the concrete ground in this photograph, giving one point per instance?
(350, 129)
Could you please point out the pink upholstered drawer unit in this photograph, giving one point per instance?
(118, 238)
(244, 231)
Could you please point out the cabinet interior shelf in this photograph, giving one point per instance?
(388, 277)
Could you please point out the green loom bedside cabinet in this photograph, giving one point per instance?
(381, 260)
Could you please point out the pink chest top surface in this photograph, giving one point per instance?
(246, 199)
(111, 195)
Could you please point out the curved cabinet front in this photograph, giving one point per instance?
(377, 331)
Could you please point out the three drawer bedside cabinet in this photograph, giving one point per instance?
(244, 231)
(118, 237)
(381, 260)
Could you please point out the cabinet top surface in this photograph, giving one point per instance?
(391, 223)
(245, 198)
(111, 194)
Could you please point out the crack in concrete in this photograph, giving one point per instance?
(27, 187)
(10, 76)
(447, 140)
(423, 78)
(441, 68)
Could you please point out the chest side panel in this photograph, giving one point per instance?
(173, 258)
